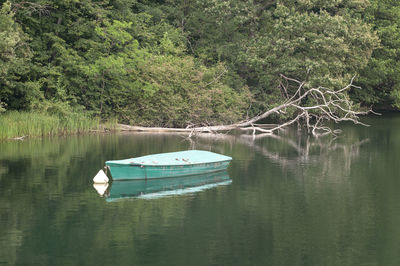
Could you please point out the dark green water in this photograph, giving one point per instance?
(292, 201)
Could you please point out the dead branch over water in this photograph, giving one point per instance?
(313, 107)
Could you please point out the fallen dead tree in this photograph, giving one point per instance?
(313, 107)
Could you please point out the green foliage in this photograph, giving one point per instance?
(16, 91)
(177, 92)
(333, 6)
(174, 63)
(324, 49)
(111, 68)
(324, 42)
(381, 78)
(87, 55)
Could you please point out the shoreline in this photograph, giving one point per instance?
(16, 125)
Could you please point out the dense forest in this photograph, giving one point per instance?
(174, 63)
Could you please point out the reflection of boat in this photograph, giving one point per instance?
(152, 188)
(170, 164)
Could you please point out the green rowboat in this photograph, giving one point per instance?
(170, 164)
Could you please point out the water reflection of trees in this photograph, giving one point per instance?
(289, 149)
(318, 207)
(293, 201)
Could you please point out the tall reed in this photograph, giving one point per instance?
(19, 124)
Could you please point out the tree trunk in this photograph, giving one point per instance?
(329, 105)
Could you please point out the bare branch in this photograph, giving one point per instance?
(322, 105)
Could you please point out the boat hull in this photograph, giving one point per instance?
(132, 172)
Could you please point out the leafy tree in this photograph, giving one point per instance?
(61, 35)
(15, 90)
(323, 41)
(325, 49)
(112, 68)
(178, 91)
(380, 79)
(164, 88)
(123, 59)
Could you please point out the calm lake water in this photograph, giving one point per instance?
(287, 200)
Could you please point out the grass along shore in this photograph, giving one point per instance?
(15, 124)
